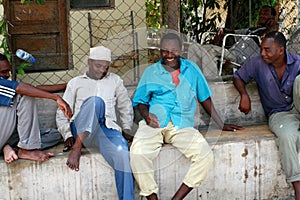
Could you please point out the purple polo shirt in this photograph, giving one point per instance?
(275, 96)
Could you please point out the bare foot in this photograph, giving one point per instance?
(35, 155)
(9, 154)
(73, 159)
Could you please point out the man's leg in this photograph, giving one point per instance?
(296, 93)
(146, 146)
(296, 185)
(28, 124)
(25, 112)
(111, 144)
(87, 121)
(8, 120)
(10, 150)
(285, 126)
(296, 96)
(114, 148)
(28, 129)
(194, 146)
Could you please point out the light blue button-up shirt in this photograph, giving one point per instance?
(168, 101)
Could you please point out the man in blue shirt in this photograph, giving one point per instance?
(18, 111)
(276, 74)
(166, 98)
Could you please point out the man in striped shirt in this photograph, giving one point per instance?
(18, 112)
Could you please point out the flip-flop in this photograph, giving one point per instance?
(66, 148)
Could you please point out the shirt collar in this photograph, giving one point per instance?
(183, 66)
(86, 76)
(289, 59)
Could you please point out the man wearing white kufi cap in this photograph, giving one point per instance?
(93, 98)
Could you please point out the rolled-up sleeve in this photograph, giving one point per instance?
(62, 122)
(124, 106)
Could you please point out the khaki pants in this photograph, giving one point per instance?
(147, 144)
(24, 116)
(285, 126)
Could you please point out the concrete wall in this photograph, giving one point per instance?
(246, 167)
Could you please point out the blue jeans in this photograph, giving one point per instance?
(110, 143)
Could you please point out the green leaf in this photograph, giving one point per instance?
(21, 71)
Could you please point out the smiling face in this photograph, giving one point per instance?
(97, 68)
(4, 69)
(170, 52)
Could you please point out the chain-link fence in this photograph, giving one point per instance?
(134, 46)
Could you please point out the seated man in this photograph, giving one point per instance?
(166, 99)
(266, 23)
(241, 51)
(277, 74)
(94, 98)
(19, 112)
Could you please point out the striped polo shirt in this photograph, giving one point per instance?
(7, 91)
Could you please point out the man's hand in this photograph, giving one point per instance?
(218, 39)
(64, 107)
(245, 104)
(231, 127)
(126, 135)
(68, 144)
(152, 120)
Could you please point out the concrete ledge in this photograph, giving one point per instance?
(53, 180)
(246, 166)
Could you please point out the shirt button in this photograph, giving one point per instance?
(286, 97)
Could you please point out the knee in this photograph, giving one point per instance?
(94, 99)
(206, 158)
(94, 102)
(286, 140)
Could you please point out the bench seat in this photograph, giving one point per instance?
(246, 166)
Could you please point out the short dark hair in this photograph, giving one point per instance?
(3, 57)
(171, 36)
(278, 37)
(273, 11)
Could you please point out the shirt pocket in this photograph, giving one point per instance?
(186, 100)
(288, 87)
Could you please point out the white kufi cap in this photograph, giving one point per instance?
(100, 53)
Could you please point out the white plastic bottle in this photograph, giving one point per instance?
(20, 53)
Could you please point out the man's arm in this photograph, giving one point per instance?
(150, 118)
(245, 102)
(210, 109)
(124, 106)
(62, 123)
(53, 88)
(29, 90)
(125, 110)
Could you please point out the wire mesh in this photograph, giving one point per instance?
(135, 46)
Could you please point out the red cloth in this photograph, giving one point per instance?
(174, 75)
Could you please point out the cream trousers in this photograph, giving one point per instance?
(147, 144)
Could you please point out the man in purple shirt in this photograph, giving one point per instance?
(276, 74)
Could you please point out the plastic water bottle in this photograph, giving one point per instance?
(20, 53)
